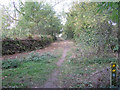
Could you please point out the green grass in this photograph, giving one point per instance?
(75, 68)
(29, 72)
(33, 71)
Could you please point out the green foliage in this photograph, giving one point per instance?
(10, 63)
(116, 47)
(34, 68)
(80, 71)
(39, 18)
(101, 60)
(36, 57)
(16, 85)
(36, 18)
(111, 7)
(6, 22)
(90, 28)
(87, 61)
(14, 63)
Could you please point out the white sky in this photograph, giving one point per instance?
(64, 5)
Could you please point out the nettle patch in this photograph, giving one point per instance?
(14, 63)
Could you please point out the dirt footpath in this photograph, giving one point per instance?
(52, 81)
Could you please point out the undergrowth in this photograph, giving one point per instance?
(14, 63)
(28, 72)
(76, 71)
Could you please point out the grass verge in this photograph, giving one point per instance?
(31, 71)
(80, 72)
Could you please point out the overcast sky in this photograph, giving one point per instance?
(60, 5)
(64, 5)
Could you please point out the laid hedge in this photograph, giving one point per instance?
(12, 46)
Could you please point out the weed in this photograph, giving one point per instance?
(36, 57)
(10, 63)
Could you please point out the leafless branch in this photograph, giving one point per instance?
(17, 9)
(57, 3)
(10, 15)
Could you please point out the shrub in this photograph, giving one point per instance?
(32, 57)
(14, 63)
(10, 63)
(36, 57)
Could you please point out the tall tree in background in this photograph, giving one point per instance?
(32, 18)
(6, 22)
(40, 17)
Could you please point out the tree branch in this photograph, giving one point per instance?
(17, 9)
(10, 15)
(56, 4)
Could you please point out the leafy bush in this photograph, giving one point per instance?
(36, 57)
(10, 63)
(14, 63)
(32, 57)
(94, 30)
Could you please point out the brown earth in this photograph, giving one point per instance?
(50, 48)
